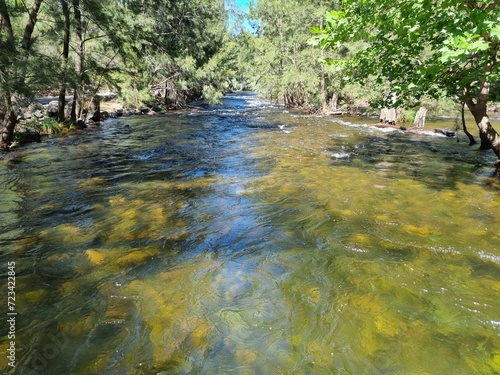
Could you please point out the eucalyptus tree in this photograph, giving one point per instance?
(424, 47)
(64, 60)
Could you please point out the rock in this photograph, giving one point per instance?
(80, 124)
(91, 123)
(27, 135)
(38, 109)
(52, 108)
(67, 109)
(32, 111)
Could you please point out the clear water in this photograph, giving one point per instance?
(247, 239)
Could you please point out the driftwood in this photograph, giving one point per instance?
(419, 121)
(448, 133)
(383, 126)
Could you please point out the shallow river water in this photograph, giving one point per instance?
(248, 239)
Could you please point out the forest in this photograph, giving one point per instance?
(321, 56)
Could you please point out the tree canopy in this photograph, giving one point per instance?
(423, 47)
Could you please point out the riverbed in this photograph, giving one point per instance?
(250, 239)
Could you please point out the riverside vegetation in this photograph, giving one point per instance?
(164, 54)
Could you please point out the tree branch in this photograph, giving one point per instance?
(468, 97)
(492, 5)
(471, 4)
(30, 25)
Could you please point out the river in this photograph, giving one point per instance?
(249, 239)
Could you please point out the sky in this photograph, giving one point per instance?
(239, 3)
(244, 4)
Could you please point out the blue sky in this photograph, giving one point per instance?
(243, 4)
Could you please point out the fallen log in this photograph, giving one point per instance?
(448, 133)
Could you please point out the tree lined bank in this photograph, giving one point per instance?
(165, 53)
(81, 47)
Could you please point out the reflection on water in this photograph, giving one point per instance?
(247, 239)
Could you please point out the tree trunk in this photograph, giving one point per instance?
(472, 141)
(79, 63)
(388, 116)
(333, 103)
(419, 121)
(7, 118)
(5, 18)
(64, 63)
(490, 139)
(324, 104)
(30, 25)
(7, 123)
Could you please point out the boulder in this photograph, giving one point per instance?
(32, 111)
(52, 109)
(27, 135)
(80, 124)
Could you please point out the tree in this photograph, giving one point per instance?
(13, 66)
(285, 67)
(64, 61)
(174, 42)
(424, 47)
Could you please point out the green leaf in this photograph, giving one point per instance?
(495, 32)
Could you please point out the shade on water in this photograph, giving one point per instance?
(247, 239)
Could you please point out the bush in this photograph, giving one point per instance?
(409, 115)
(45, 126)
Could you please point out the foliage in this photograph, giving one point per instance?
(172, 44)
(284, 66)
(287, 69)
(174, 50)
(422, 48)
(419, 47)
(45, 126)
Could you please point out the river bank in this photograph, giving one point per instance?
(38, 119)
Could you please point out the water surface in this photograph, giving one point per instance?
(248, 239)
